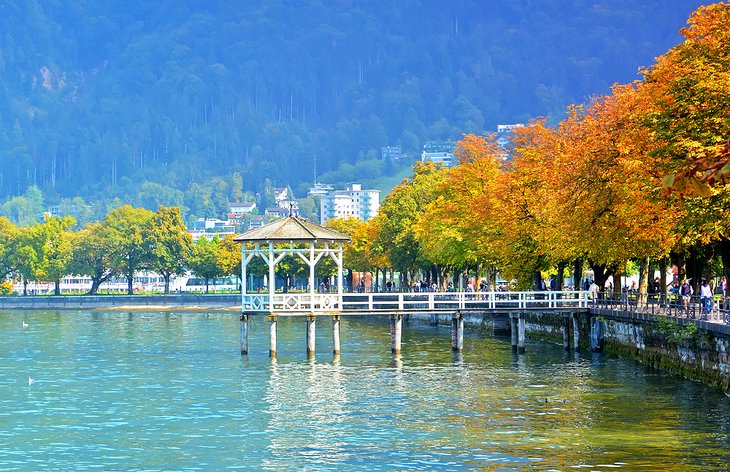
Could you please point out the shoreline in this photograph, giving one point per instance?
(186, 301)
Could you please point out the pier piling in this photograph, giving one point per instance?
(576, 333)
(396, 332)
(244, 334)
(272, 335)
(457, 332)
(336, 334)
(521, 334)
(311, 330)
(564, 327)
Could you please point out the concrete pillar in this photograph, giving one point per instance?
(576, 333)
(244, 334)
(336, 335)
(272, 335)
(513, 330)
(396, 332)
(521, 334)
(457, 332)
(311, 329)
(564, 325)
(596, 335)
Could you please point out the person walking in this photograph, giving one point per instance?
(706, 298)
(593, 288)
(686, 291)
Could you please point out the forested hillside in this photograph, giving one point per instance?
(162, 102)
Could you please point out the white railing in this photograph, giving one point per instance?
(292, 302)
(415, 301)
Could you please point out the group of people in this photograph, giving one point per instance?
(707, 294)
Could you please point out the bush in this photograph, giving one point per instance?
(6, 288)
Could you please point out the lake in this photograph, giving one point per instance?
(170, 391)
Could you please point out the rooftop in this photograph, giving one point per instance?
(292, 229)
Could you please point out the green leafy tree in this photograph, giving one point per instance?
(56, 250)
(205, 260)
(230, 256)
(92, 254)
(8, 240)
(170, 244)
(131, 245)
(29, 254)
(396, 238)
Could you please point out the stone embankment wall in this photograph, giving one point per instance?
(693, 348)
(696, 349)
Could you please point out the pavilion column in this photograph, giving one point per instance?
(340, 288)
(272, 280)
(311, 263)
(244, 263)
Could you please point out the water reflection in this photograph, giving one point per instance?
(146, 391)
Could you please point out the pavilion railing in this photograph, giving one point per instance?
(415, 301)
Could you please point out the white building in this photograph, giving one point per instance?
(241, 208)
(503, 133)
(210, 228)
(438, 153)
(320, 190)
(353, 201)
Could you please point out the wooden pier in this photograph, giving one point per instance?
(514, 305)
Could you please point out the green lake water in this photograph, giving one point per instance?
(170, 391)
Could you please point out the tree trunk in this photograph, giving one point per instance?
(559, 282)
(25, 287)
(206, 285)
(57, 288)
(663, 276)
(600, 275)
(724, 247)
(167, 283)
(617, 285)
(578, 273)
(536, 281)
(95, 283)
(130, 276)
(643, 281)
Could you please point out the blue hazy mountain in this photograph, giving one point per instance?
(99, 98)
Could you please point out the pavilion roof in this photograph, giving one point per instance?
(292, 229)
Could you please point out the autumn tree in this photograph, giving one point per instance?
(398, 214)
(688, 91)
(458, 229)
